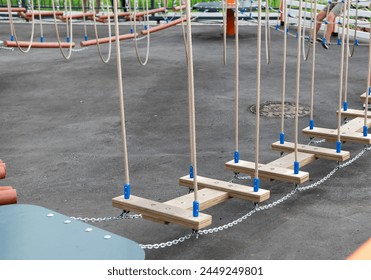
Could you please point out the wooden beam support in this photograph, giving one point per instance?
(319, 152)
(363, 98)
(37, 45)
(105, 40)
(287, 161)
(353, 113)
(233, 190)
(268, 172)
(157, 211)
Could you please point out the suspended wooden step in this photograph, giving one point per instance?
(363, 98)
(319, 152)
(353, 113)
(268, 171)
(163, 26)
(47, 45)
(157, 211)
(231, 189)
(87, 15)
(14, 10)
(106, 40)
(287, 161)
(178, 8)
(352, 131)
(104, 18)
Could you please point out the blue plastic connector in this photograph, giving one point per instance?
(338, 146)
(277, 26)
(345, 106)
(41, 39)
(311, 124)
(167, 20)
(369, 91)
(356, 43)
(131, 31)
(339, 42)
(12, 37)
(256, 184)
(250, 15)
(127, 191)
(191, 172)
(296, 167)
(86, 37)
(287, 30)
(236, 156)
(196, 208)
(146, 27)
(282, 138)
(365, 130)
(325, 22)
(67, 39)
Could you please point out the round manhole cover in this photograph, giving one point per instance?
(273, 109)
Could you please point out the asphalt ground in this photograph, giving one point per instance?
(61, 140)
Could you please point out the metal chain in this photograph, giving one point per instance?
(7, 48)
(256, 209)
(316, 141)
(123, 216)
(80, 49)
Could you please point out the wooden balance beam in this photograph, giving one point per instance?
(45, 45)
(8, 195)
(150, 12)
(230, 189)
(163, 26)
(178, 8)
(352, 131)
(106, 40)
(14, 10)
(161, 212)
(2, 169)
(28, 15)
(353, 113)
(87, 15)
(363, 98)
(280, 169)
(318, 152)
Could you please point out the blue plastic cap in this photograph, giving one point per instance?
(296, 167)
(287, 30)
(131, 30)
(256, 184)
(325, 22)
(196, 208)
(276, 26)
(282, 138)
(365, 130)
(338, 146)
(311, 124)
(345, 106)
(127, 191)
(167, 20)
(41, 39)
(339, 42)
(250, 15)
(236, 157)
(369, 91)
(356, 43)
(12, 37)
(191, 171)
(86, 37)
(67, 39)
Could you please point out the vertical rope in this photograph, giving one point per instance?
(236, 155)
(298, 60)
(282, 135)
(258, 70)
(345, 105)
(368, 86)
(341, 75)
(192, 107)
(121, 95)
(311, 121)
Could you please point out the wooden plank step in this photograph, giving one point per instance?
(267, 172)
(353, 113)
(363, 98)
(350, 132)
(233, 190)
(157, 211)
(319, 152)
(206, 197)
(287, 161)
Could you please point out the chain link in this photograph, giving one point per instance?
(123, 216)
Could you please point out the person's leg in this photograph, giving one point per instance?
(331, 21)
(321, 15)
